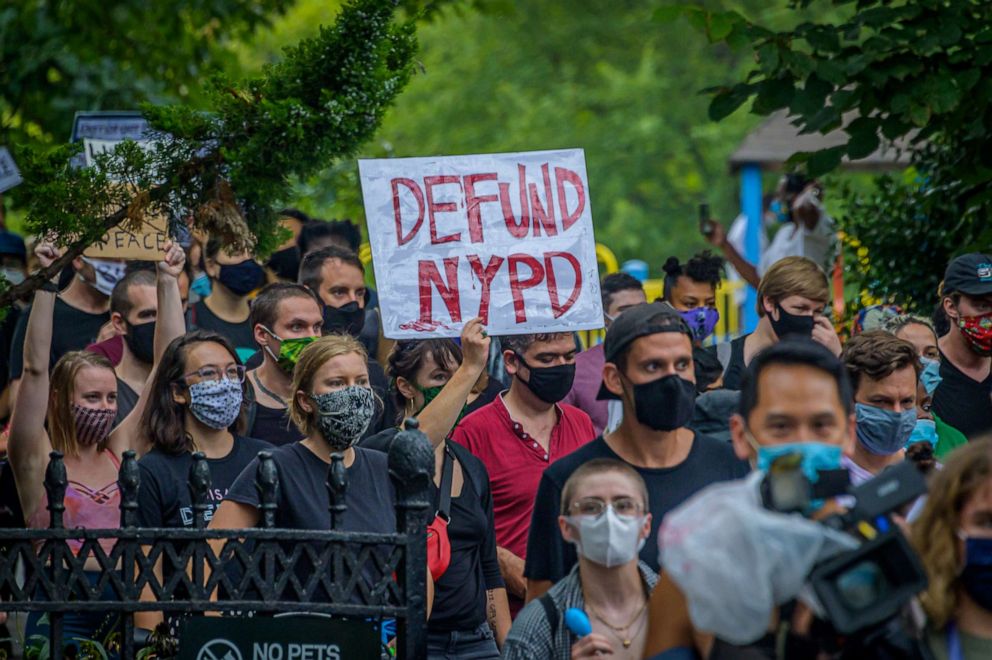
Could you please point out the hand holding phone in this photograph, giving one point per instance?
(706, 226)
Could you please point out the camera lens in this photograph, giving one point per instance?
(862, 585)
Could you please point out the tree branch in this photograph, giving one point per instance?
(34, 282)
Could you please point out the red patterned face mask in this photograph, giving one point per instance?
(978, 331)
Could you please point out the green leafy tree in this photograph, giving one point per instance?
(226, 169)
(59, 57)
(519, 76)
(918, 74)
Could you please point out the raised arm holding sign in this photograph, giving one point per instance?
(507, 238)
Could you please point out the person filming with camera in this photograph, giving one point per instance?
(795, 400)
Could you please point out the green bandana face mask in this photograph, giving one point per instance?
(289, 350)
(430, 393)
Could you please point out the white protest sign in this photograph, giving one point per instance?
(10, 176)
(92, 148)
(100, 131)
(506, 237)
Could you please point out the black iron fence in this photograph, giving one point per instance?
(263, 570)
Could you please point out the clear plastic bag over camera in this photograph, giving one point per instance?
(735, 561)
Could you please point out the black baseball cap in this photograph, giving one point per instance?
(636, 322)
(970, 274)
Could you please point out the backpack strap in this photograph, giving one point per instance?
(444, 489)
(550, 611)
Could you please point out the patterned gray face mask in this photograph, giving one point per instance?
(343, 415)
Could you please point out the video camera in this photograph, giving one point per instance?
(864, 592)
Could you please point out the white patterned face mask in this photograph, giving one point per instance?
(216, 403)
(343, 415)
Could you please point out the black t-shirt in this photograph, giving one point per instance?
(127, 399)
(273, 425)
(549, 557)
(493, 388)
(303, 500)
(460, 594)
(734, 373)
(963, 403)
(74, 330)
(164, 499)
(239, 334)
(7, 327)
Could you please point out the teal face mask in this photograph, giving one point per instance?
(816, 456)
(924, 431)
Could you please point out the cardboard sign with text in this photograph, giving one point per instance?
(506, 237)
(148, 243)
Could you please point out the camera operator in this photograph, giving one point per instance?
(953, 536)
(795, 399)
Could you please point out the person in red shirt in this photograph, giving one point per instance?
(519, 434)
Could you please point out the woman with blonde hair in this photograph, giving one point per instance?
(72, 412)
(332, 405)
(953, 537)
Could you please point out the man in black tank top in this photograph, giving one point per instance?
(284, 318)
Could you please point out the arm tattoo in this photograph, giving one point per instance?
(491, 610)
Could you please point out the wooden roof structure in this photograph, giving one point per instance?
(776, 139)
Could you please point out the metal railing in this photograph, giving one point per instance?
(270, 570)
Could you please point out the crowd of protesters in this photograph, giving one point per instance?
(562, 470)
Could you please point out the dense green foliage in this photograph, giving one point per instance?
(228, 168)
(920, 72)
(60, 57)
(605, 77)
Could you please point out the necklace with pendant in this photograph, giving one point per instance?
(621, 632)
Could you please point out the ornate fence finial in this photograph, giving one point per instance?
(199, 485)
(337, 484)
(56, 482)
(267, 485)
(128, 480)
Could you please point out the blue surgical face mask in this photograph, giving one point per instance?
(924, 431)
(883, 432)
(930, 374)
(816, 456)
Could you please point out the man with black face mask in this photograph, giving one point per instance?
(792, 298)
(649, 368)
(337, 276)
(133, 309)
(519, 434)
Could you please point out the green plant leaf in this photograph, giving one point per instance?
(824, 161)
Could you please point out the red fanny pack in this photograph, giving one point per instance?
(438, 545)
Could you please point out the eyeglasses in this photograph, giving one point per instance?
(234, 372)
(593, 506)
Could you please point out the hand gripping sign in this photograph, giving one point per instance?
(505, 237)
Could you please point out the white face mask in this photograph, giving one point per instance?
(14, 275)
(608, 539)
(108, 274)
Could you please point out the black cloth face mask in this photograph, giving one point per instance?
(791, 324)
(286, 263)
(347, 319)
(549, 384)
(242, 278)
(665, 404)
(140, 340)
